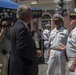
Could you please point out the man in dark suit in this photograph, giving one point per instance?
(23, 49)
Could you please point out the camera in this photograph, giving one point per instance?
(10, 21)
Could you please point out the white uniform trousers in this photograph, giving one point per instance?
(56, 58)
(71, 73)
(4, 63)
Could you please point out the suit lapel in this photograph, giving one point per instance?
(23, 23)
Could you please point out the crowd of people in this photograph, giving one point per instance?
(19, 54)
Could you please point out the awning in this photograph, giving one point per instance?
(10, 5)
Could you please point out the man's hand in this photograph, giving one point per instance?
(48, 54)
(2, 30)
(62, 47)
(72, 68)
(39, 53)
(4, 23)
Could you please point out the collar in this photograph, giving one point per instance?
(61, 29)
(74, 29)
(23, 23)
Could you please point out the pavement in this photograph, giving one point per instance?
(43, 69)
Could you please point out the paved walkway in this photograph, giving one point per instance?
(43, 68)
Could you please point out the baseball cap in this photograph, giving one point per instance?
(73, 14)
(48, 25)
(57, 17)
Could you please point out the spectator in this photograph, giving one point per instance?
(41, 45)
(40, 37)
(4, 47)
(46, 33)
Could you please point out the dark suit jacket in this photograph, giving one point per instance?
(23, 51)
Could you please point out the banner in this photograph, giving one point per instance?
(37, 13)
(5, 12)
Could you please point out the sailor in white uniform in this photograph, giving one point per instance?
(46, 34)
(71, 45)
(57, 40)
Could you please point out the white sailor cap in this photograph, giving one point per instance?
(57, 17)
(48, 25)
(73, 14)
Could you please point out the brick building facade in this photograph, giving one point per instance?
(48, 7)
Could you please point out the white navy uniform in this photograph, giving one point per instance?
(71, 49)
(46, 34)
(57, 57)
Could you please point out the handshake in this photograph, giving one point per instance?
(39, 53)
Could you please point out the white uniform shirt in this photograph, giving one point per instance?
(71, 45)
(45, 36)
(58, 37)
